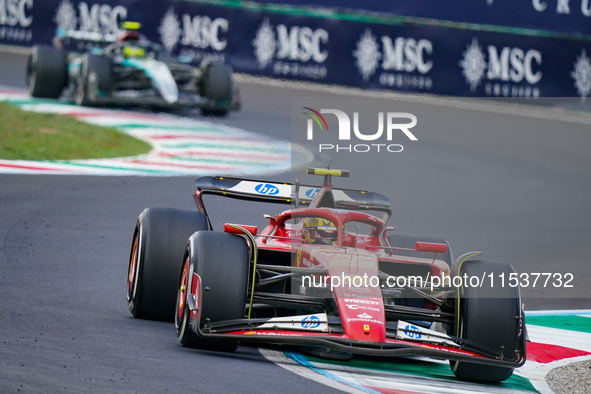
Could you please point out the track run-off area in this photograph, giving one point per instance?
(181, 146)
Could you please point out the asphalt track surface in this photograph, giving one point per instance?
(516, 187)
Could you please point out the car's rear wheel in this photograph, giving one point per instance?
(216, 86)
(46, 73)
(95, 79)
(221, 261)
(489, 317)
(156, 257)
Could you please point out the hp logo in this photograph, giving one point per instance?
(310, 322)
(412, 334)
(312, 193)
(265, 188)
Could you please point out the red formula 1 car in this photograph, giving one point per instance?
(327, 276)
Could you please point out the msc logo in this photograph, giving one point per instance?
(90, 18)
(265, 188)
(401, 54)
(198, 31)
(16, 12)
(503, 70)
(395, 121)
(298, 43)
(310, 322)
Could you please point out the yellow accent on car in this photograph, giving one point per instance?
(254, 251)
(128, 25)
(133, 52)
(325, 171)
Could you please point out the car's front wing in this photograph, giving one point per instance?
(276, 331)
(152, 98)
(389, 348)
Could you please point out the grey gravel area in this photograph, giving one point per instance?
(574, 378)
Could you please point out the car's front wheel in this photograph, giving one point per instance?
(46, 73)
(221, 261)
(490, 317)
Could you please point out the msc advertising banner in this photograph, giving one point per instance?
(326, 48)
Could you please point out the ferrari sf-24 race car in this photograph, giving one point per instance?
(128, 69)
(327, 276)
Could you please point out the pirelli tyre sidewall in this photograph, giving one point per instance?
(47, 71)
(489, 317)
(156, 257)
(221, 261)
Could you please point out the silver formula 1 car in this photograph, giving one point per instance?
(127, 70)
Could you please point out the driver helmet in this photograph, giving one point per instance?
(133, 52)
(320, 231)
(130, 48)
(129, 36)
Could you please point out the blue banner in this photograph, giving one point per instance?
(364, 53)
(423, 59)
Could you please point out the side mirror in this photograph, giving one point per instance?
(430, 247)
(251, 229)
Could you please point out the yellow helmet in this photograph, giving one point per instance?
(320, 231)
(133, 52)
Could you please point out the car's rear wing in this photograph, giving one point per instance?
(284, 193)
(91, 37)
(95, 38)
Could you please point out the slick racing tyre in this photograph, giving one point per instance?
(156, 257)
(490, 317)
(47, 71)
(95, 79)
(221, 260)
(216, 85)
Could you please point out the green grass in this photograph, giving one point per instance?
(26, 135)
